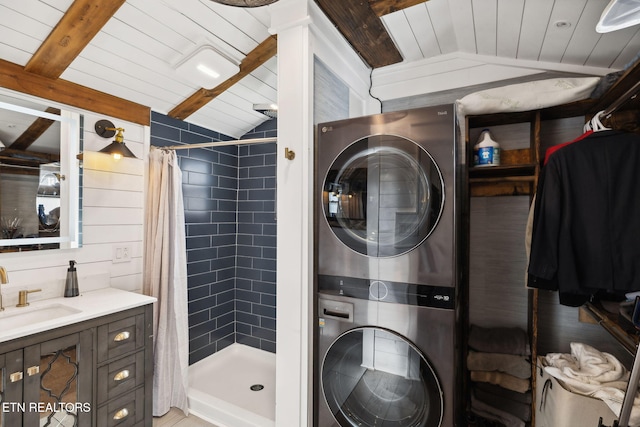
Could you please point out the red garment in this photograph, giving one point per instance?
(555, 148)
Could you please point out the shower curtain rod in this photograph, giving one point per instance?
(221, 143)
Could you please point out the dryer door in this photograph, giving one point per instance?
(372, 376)
(383, 195)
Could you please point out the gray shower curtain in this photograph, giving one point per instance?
(165, 277)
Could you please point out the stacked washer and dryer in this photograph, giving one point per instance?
(387, 211)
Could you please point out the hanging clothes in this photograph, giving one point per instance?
(555, 148)
(587, 219)
(529, 227)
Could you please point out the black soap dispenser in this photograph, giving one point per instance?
(71, 286)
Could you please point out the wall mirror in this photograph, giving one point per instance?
(39, 175)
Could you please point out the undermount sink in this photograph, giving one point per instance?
(19, 317)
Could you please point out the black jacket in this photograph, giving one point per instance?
(586, 227)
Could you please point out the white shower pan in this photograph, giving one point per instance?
(222, 387)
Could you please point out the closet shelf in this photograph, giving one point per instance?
(517, 172)
(506, 180)
(572, 109)
(622, 330)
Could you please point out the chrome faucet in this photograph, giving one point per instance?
(4, 279)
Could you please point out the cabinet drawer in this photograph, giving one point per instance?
(120, 337)
(120, 376)
(126, 411)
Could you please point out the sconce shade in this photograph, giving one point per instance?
(118, 149)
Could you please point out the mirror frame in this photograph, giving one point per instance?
(70, 176)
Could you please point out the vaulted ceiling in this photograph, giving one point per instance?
(121, 55)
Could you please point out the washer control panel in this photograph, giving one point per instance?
(386, 291)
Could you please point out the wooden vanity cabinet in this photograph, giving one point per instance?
(124, 362)
(103, 367)
(10, 388)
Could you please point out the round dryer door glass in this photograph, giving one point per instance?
(383, 196)
(375, 377)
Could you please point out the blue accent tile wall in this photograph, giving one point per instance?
(229, 197)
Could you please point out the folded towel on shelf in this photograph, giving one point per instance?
(503, 380)
(511, 364)
(499, 340)
(593, 373)
(504, 393)
(517, 409)
(487, 411)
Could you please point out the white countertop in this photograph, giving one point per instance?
(86, 306)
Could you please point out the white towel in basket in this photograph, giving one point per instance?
(593, 373)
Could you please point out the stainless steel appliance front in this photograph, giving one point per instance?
(385, 190)
(386, 186)
(383, 364)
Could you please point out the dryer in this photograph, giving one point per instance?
(386, 190)
(385, 187)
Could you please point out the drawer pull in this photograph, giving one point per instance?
(122, 375)
(121, 414)
(15, 377)
(33, 370)
(122, 336)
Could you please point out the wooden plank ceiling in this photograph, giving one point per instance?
(253, 60)
(118, 57)
(358, 21)
(81, 22)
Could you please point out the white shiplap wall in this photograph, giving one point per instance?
(113, 214)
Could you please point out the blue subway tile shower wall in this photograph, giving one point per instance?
(229, 197)
(256, 243)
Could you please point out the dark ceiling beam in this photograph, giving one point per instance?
(25, 161)
(35, 131)
(14, 77)
(258, 56)
(82, 21)
(384, 7)
(359, 22)
(18, 170)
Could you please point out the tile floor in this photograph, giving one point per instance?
(175, 418)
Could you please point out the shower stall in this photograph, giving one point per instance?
(229, 199)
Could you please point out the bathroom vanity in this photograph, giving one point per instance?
(84, 361)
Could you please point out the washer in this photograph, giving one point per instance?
(385, 363)
(386, 261)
